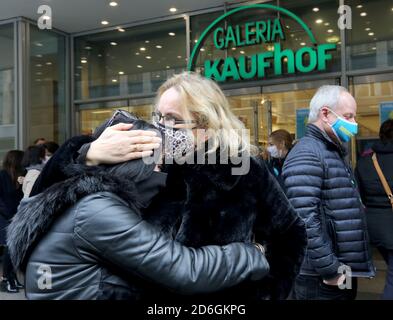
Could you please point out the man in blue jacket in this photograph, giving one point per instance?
(320, 185)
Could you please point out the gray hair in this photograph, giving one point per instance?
(326, 96)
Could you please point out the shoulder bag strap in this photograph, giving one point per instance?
(383, 179)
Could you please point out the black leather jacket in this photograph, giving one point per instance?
(100, 248)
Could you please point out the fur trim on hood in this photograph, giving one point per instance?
(36, 214)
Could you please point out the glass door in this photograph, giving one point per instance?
(269, 108)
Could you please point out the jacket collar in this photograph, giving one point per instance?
(314, 132)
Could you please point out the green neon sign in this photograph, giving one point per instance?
(259, 32)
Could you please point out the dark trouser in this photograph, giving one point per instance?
(313, 288)
(388, 257)
(8, 268)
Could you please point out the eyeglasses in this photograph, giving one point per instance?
(169, 120)
(122, 113)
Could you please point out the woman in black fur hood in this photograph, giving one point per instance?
(85, 238)
(214, 196)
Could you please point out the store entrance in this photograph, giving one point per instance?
(269, 108)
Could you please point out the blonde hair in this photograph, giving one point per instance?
(203, 99)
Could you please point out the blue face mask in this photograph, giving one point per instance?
(344, 129)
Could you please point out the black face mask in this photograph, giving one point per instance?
(177, 143)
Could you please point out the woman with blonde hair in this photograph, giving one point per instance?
(217, 191)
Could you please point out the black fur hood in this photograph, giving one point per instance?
(36, 214)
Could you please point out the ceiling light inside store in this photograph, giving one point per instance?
(99, 55)
(83, 61)
(38, 73)
(121, 30)
(326, 24)
(318, 21)
(202, 49)
(371, 34)
(104, 22)
(167, 67)
(302, 43)
(38, 65)
(142, 49)
(139, 66)
(114, 80)
(48, 63)
(38, 55)
(147, 41)
(113, 43)
(158, 46)
(359, 6)
(242, 52)
(173, 9)
(113, 4)
(315, 9)
(333, 39)
(38, 44)
(374, 48)
(121, 72)
(367, 29)
(196, 40)
(233, 48)
(363, 14)
(88, 48)
(137, 53)
(172, 34)
(179, 57)
(148, 57)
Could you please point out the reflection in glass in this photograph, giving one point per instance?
(47, 86)
(7, 89)
(370, 41)
(129, 61)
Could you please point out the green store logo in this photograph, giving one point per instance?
(259, 32)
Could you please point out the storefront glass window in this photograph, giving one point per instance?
(8, 130)
(47, 86)
(91, 115)
(370, 41)
(129, 60)
(369, 97)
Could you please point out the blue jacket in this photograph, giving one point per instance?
(320, 185)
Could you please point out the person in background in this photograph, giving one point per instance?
(379, 209)
(10, 197)
(33, 161)
(280, 143)
(39, 141)
(50, 148)
(320, 184)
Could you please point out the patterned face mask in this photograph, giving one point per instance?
(177, 143)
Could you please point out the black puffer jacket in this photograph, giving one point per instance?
(379, 211)
(84, 238)
(321, 187)
(208, 205)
